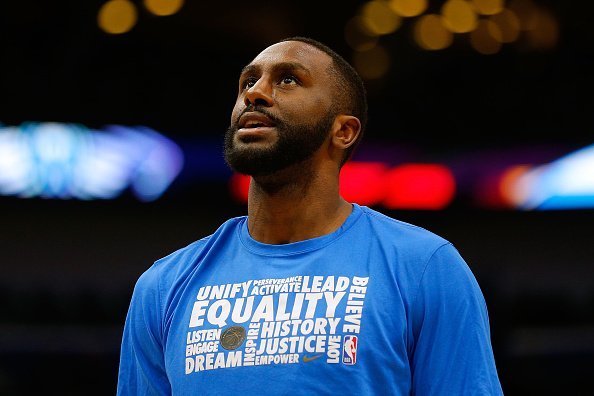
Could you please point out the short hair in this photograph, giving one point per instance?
(350, 90)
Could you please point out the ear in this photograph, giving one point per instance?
(345, 132)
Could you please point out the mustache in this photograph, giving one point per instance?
(258, 109)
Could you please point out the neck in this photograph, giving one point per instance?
(294, 205)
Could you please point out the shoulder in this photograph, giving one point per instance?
(176, 264)
(408, 239)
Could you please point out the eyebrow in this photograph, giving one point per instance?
(286, 66)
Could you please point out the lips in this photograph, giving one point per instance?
(254, 120)
(255, 127)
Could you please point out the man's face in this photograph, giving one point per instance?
(283, 110)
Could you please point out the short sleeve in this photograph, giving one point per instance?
(142, 363)
(452, 353)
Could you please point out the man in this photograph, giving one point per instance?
(308, 294)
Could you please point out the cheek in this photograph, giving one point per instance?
(301, 110)
(237, 109)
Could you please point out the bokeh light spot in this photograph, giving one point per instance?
(459, 16)
(524, 10)
(488, 7)
(357, 36)
(543, 30)
(507, 24)
(363, 182)
(486, 38)
(408, 8)
(507, 185)
(117, 16)
(240, 187)
(430, 34)
(372, 64)
(419, 186)
(379, 19)
(163, 7)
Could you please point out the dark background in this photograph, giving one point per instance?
(67, 268)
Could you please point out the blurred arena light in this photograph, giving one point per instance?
(542, 30)
(163, 7)
(419, 186)
(488, 7)
(567, 183)
(357, 36)
(117, 16)
(485, 24)
(524, 10)
(459, 16)
(408, 8)
(53, 160)
(431, 34)
(373, 63)
(363, 182)
(486, 38)
(407, 186)
(506, 26)
(379, 18)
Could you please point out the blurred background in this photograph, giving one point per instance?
(111, 119)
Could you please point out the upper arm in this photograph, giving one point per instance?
(452, 347)
(142, 362)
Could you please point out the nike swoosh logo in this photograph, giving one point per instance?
(309, 359)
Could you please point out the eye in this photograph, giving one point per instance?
(249, 82)
(289, 80)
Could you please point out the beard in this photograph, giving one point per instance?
(294, 144)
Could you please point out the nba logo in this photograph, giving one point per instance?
(349, 350)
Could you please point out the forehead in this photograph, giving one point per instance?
(313, 59)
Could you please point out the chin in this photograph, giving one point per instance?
(254, 142)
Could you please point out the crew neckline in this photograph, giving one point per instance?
(287, 249)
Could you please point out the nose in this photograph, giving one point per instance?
(259, 94)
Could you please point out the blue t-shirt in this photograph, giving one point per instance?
(377, 307)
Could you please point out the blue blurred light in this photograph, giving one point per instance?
(567, 183)
(54, 160)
